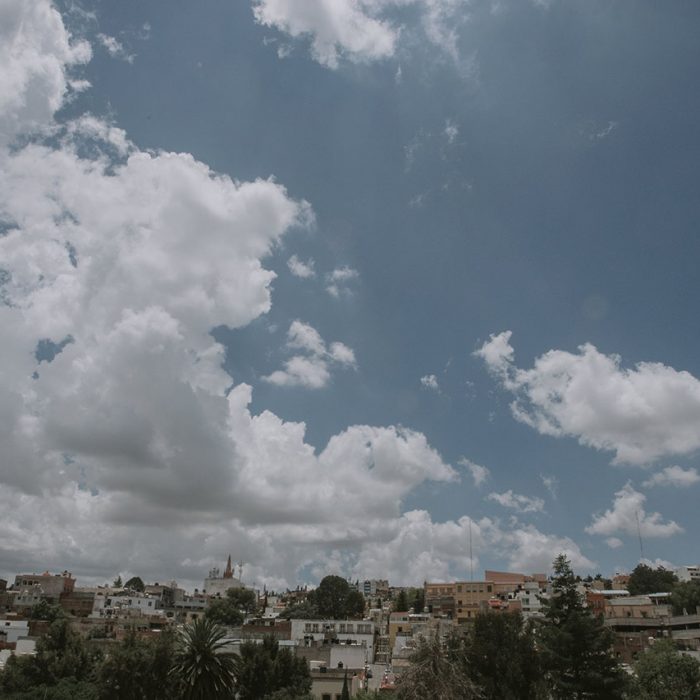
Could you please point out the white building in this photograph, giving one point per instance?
(688, 573)
(331, 632)
(12, 630)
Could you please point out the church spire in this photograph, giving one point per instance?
(229, 572)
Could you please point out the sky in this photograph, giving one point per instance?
(396, 289)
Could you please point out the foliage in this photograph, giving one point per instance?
(685, 598)
(200, 668)
(138, 669)
(366, 695)
(117, 583)
(44, 610)
(62, 661)
(401, 602)
(266, 671)
(574, 645)
(345, 693)
(664, 674)
(231, 609)
(336, 600)
(644, 580)
(302, 611)
(65, 689)
(419, 601)
(437, 673)
(135, 583)
(502, 659)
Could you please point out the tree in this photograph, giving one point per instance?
(305, 610)
(266, 671)
(135, 583)
(202, 670)
(419, 601)
(437, 673)
(401, 602)
(138, 669)
(665, 674)
(685, 598)
(231, 609)
(335, 600)
(644, 580)
(117, 582)
(44, 610)
(574, 645)
(501, 657)
(345, 693)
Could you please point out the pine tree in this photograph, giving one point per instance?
(574, 645)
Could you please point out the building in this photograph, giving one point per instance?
(312, 633)
(216, 585)
(32, 588)
(686, 574)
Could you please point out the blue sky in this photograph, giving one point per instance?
(344, 278)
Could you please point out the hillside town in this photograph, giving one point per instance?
(357, 636)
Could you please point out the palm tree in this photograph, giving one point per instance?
(202, 670)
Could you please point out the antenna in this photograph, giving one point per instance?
(639, 534)
(471, 558)
(240, 571)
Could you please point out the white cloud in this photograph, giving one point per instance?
(429, 381)
(614, 542)
(451, 131)
(479, 473)
(338, 280)
(550, 483)
(629, 517)
(642, 414)
(300, 268)
(311, 370)
(360, 30)
(674, 476)
(115, 48)
(518, 502)
(36, 56)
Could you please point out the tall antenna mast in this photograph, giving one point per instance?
(471, 558)
(639, 534)
(240, 571)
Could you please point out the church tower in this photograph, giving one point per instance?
(229, 571)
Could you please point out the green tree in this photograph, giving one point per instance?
(201, 668)
(345, 693)
(436, 672)
(305, 610)
(662, 673)
(335, 599)
(266, 671)
(62, 662)
(419, 601)
(117, 582)
(401, 602)
(644, 579)
(44, 610)
(501, 657)
(231, 609)
(135, 583)
(574, 645)
(685, 598)
(138, 669)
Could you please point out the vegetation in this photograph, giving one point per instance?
(266, 671)
(685, 598)
(644, 580)
(664, 674)
(501, 657)
(401, 602)
(334, 599)
(135, 583)
(574, 646)
(232, 608)
(201, 671)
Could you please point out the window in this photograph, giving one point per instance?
(326, 696)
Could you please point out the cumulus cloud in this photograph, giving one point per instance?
(614, 542)
(37, 55)
(115, 48)
(478, 473)
(674, 476)
(338, 280)
(518, 502)
(550, 483)
(641, 414)
(429, 381)
(302, 269)
(359, 30)
(628, 516)
(311, 370)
